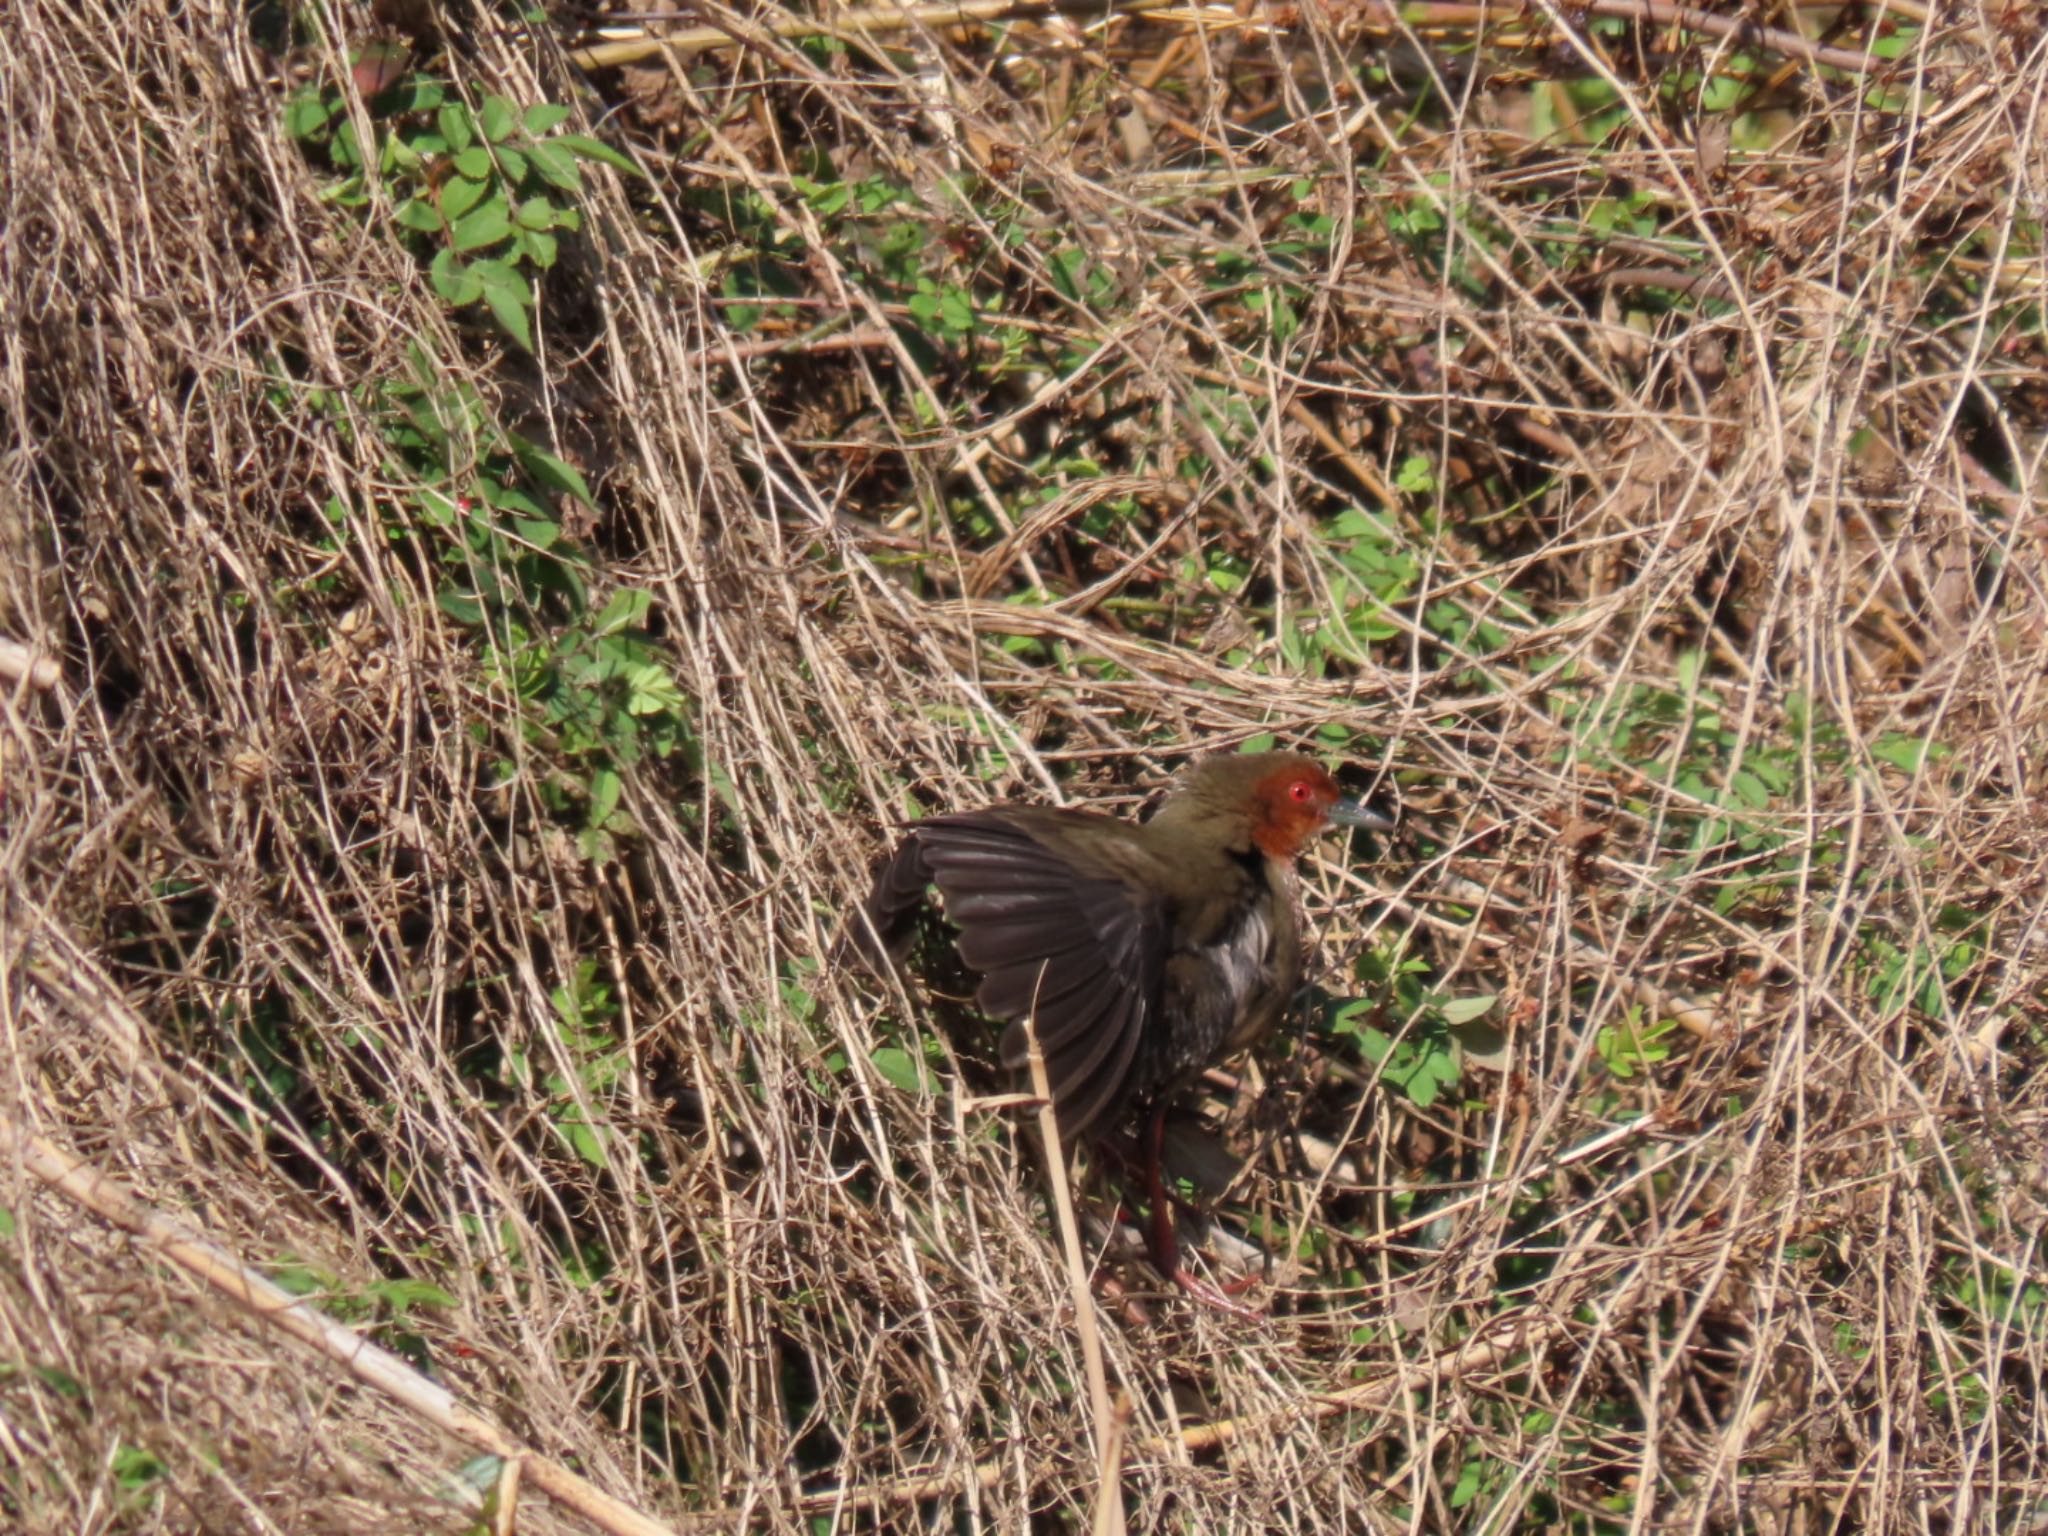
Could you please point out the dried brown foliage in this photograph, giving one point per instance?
(288, 901)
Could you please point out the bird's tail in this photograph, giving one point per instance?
(879, 933)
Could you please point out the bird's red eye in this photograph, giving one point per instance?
(1302, 790)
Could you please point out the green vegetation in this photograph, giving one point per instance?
(518, 530)
(483, 192)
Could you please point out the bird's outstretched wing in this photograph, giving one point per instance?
(1058, 936)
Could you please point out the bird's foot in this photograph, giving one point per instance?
(1162, 1248)
(1222, 1298)
(1164, 1243)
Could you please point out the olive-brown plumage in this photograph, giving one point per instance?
(1140, 953)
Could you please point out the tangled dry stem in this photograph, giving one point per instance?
(277, 818)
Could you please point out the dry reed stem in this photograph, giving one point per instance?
(1104, 1425)
(1371, 17)
(299, 1317)
(21, 664)
(291, 841)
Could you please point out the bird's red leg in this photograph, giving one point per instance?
(1165, 1240)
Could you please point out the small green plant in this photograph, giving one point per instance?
(1423, 1057)
(900, 1069)
(1417, 476)
(481, 191)
(594, 1062)
(1896, 977)
(1478, 1480)
(1736, 823)
(137, 1470)
(1414, 217)
(1369, 571)
(1963, 1394)
(385, 1306)
(485, 508)
(1631, 1047)
(1994, 1293)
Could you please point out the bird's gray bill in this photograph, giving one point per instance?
(1354, 813)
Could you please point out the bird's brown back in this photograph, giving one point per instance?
(1138, 953)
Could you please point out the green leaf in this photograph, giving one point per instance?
(509, 311)
(347, 152)
(590, 149)
(587, 1139)
(1749, 789)
(829, 198)
(497, 119)
(1416, 476)
(475, 164)
(307, 116)
(418, 214)
(483, 226)
(1483, 1044)
(1463, 1010)
(134, 1468)
(459, 606)
(1689, 666)
(627, 609)
(1906, 753)
(605, 789)
(437, 510)
(459, 195)
(551, 472)
(412, 96)
(557, 166)
(544, 116)
(507, 295)
(510, 498)
(651, 690)
(456, 125)
(403, 1295)
(538, 248)
(956, 311)
(535, 213)
(899, 1067)
(540, 532)
(456, 282)
(400, 156)
(1466, 1489)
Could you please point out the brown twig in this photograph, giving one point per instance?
(1702, 285)
(275, 1307)
(1512, 1335)
(880, 21)
(1372, 17)
(1108, 1437)
(1738, 29)
(18, 662)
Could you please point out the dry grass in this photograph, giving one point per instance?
(302, 941)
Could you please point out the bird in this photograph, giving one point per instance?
(1138, 953)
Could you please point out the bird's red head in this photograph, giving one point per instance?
(1290, 806)
(1279, 800)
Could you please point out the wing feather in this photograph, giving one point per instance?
(1086, 1097)
(1080, 950)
